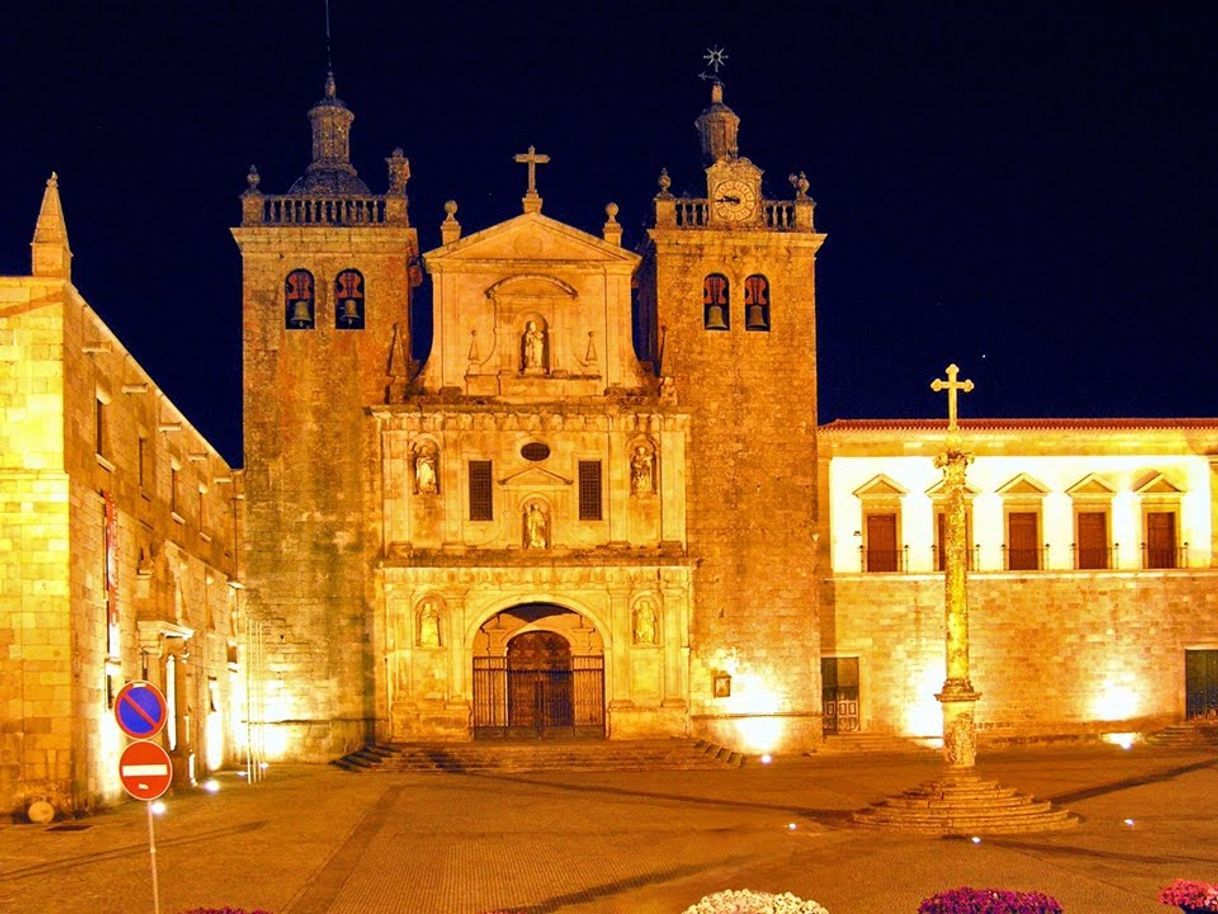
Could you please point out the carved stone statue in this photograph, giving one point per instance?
(426, 480)
(429, 624)
(642, 470)
(645, 621)
(533, 347)
(535, 528)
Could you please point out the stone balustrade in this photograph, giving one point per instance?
(775, 215)
(291, 209)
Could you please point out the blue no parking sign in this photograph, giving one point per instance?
(140, 709)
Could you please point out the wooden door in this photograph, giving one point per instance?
(1023, 550)
(1161, 539)
(882, 542)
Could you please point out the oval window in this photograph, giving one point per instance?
(535, 450)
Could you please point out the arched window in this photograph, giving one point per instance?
(298, 300)
(715, 302)
(349, 300)
(756, 303)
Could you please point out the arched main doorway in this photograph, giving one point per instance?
(539, 672)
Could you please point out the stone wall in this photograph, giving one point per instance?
(751, 479)
(1052, 652)
(174, 556)
(311, 459)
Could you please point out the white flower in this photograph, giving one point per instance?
(743, 901)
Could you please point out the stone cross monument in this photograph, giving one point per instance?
(532, 158)
(958, 695)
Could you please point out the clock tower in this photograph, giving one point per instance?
(727, 310)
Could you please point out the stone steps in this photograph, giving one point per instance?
(587, 755)
(1199, 734)
(874, 743)
(965, 805)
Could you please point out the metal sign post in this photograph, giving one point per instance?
(144, 768)
(156, 893)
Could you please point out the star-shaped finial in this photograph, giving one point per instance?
(715, 58)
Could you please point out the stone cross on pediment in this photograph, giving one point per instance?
(532, 158)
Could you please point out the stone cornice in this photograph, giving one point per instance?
(439, 414)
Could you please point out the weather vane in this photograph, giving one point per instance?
(715, 58)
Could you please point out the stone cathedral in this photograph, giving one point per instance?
(542, 528)
(600, 507)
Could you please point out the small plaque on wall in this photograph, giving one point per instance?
(722, 685)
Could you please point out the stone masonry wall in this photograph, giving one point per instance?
(751, 488)
(1051, 653)
(309, 453)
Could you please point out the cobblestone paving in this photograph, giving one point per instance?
(316, 840)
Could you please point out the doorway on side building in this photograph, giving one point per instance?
(539, 673)
(840, 693)
(1201, 685)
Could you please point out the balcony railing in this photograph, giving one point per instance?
(776, 215)
(290, 209)
(1091, 558)
(884, 560)
(1164, 556)
(1024, 559)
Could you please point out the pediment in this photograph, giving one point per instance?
(939, 490)
(529, 237)
(1157, 484)
(1091, 485)
(881, 486)
(1023, 484)
(534, 478)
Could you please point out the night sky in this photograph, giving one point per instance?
(1028, 189)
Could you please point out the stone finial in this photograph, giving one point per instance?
(450, 228)
(399, 171)
(50, 254)
(665, 182)
(252, 180)
(719, 128)
(612, 230)
(801, 185)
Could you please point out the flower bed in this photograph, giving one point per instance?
(1191, 896)
(743, 901)
(966, 900)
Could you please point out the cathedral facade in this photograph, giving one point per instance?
(601, 507)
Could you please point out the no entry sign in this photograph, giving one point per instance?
(140, 709)
(145, 770)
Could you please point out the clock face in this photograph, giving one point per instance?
(734, 200)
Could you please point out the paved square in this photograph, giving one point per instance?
(312, 840)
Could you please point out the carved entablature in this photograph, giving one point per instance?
(532, 310)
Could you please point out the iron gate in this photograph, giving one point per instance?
(524, 703)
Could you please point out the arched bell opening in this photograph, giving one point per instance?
(539, 672)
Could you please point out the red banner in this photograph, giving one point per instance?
(110, 540)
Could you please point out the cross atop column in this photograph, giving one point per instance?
(951, 385)
(532, 158)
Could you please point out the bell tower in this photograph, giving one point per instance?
(729, 309)
(327, 277)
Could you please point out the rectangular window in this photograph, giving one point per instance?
(142, 461)
(481, 493)
(1092, 539)
(99, 427)
(174, 481)
(202, 509)
(1161, 539)
(882, 542)
(589, 490)
(1023, 549)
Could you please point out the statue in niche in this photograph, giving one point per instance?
(642, 470)
(429, 624)
(645, 621)
(535, 528)
(426, 480)
(533, 347)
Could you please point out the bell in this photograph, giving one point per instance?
(350, 314)
(301, 317)
(716, 317)
(755, 318)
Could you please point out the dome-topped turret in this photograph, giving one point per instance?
(331, 171)
(718, 126)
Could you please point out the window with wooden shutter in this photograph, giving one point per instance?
(882, 542)
(1161, 539)
(481, 494)
(1023, 549)
(589, 490)
(1092, 539)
